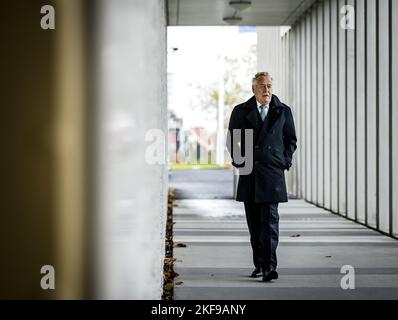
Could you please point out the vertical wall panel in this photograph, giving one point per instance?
(334, 105)
(292, 73)
(270, 59)
(341, 120)
(394, 117)
(351, 126)
(296, 91)
(287, 97)
(360, 111)
(289, 76)
(314, 107)
(326, 100)
(320, 104)
(303, 109)
(383, 118)
(308, 108)
(282, 80)
(131, 215)
(371, 112)
(299, 41)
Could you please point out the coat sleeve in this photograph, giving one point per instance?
(289, 138)
(233, 145)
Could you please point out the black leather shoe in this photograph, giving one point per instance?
(270, 275)
(256, 273)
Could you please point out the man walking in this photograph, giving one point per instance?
(267, 130)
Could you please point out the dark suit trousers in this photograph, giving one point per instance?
(263, 222)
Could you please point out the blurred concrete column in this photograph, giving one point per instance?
(83, 105)
(131, 130)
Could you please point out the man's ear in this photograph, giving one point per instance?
(253, 89)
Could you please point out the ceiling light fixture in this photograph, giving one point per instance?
(232, 20)
(240, 5)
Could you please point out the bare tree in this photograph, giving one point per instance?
(235, 92)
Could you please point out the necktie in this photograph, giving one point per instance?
(263, 112)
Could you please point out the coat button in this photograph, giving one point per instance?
(256, 162)
(269, 147)
(256, 146)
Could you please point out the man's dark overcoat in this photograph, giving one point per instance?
(274, 142)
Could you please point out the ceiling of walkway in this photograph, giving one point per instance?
(211, 12)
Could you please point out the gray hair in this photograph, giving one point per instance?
(260, 74)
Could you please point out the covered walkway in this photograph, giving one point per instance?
(86, 175)
(314, 245)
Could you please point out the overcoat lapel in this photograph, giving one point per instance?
(253, 116)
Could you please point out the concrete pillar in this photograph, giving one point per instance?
(327, 110)
(320, 105)
(288, 75)
(283, 54)
(394, 119)
(383, 124)
(293, 92)
(308, 108)
(371, 114)
(351, 123)
(341, 120)
(302, 123)
(270, 60)
(360, 111)
(297, 68)
(131, 129)
(334, 105)
(299, 155)
(314, 108)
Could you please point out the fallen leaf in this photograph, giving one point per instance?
(180, 245)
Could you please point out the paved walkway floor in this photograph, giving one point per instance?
(314, 245)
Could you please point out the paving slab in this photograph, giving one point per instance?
(314, 245)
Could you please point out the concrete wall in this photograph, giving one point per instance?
(345, 109)
(131, 194)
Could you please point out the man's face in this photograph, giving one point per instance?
(263, 90)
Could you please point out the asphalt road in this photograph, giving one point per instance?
(202, 183)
